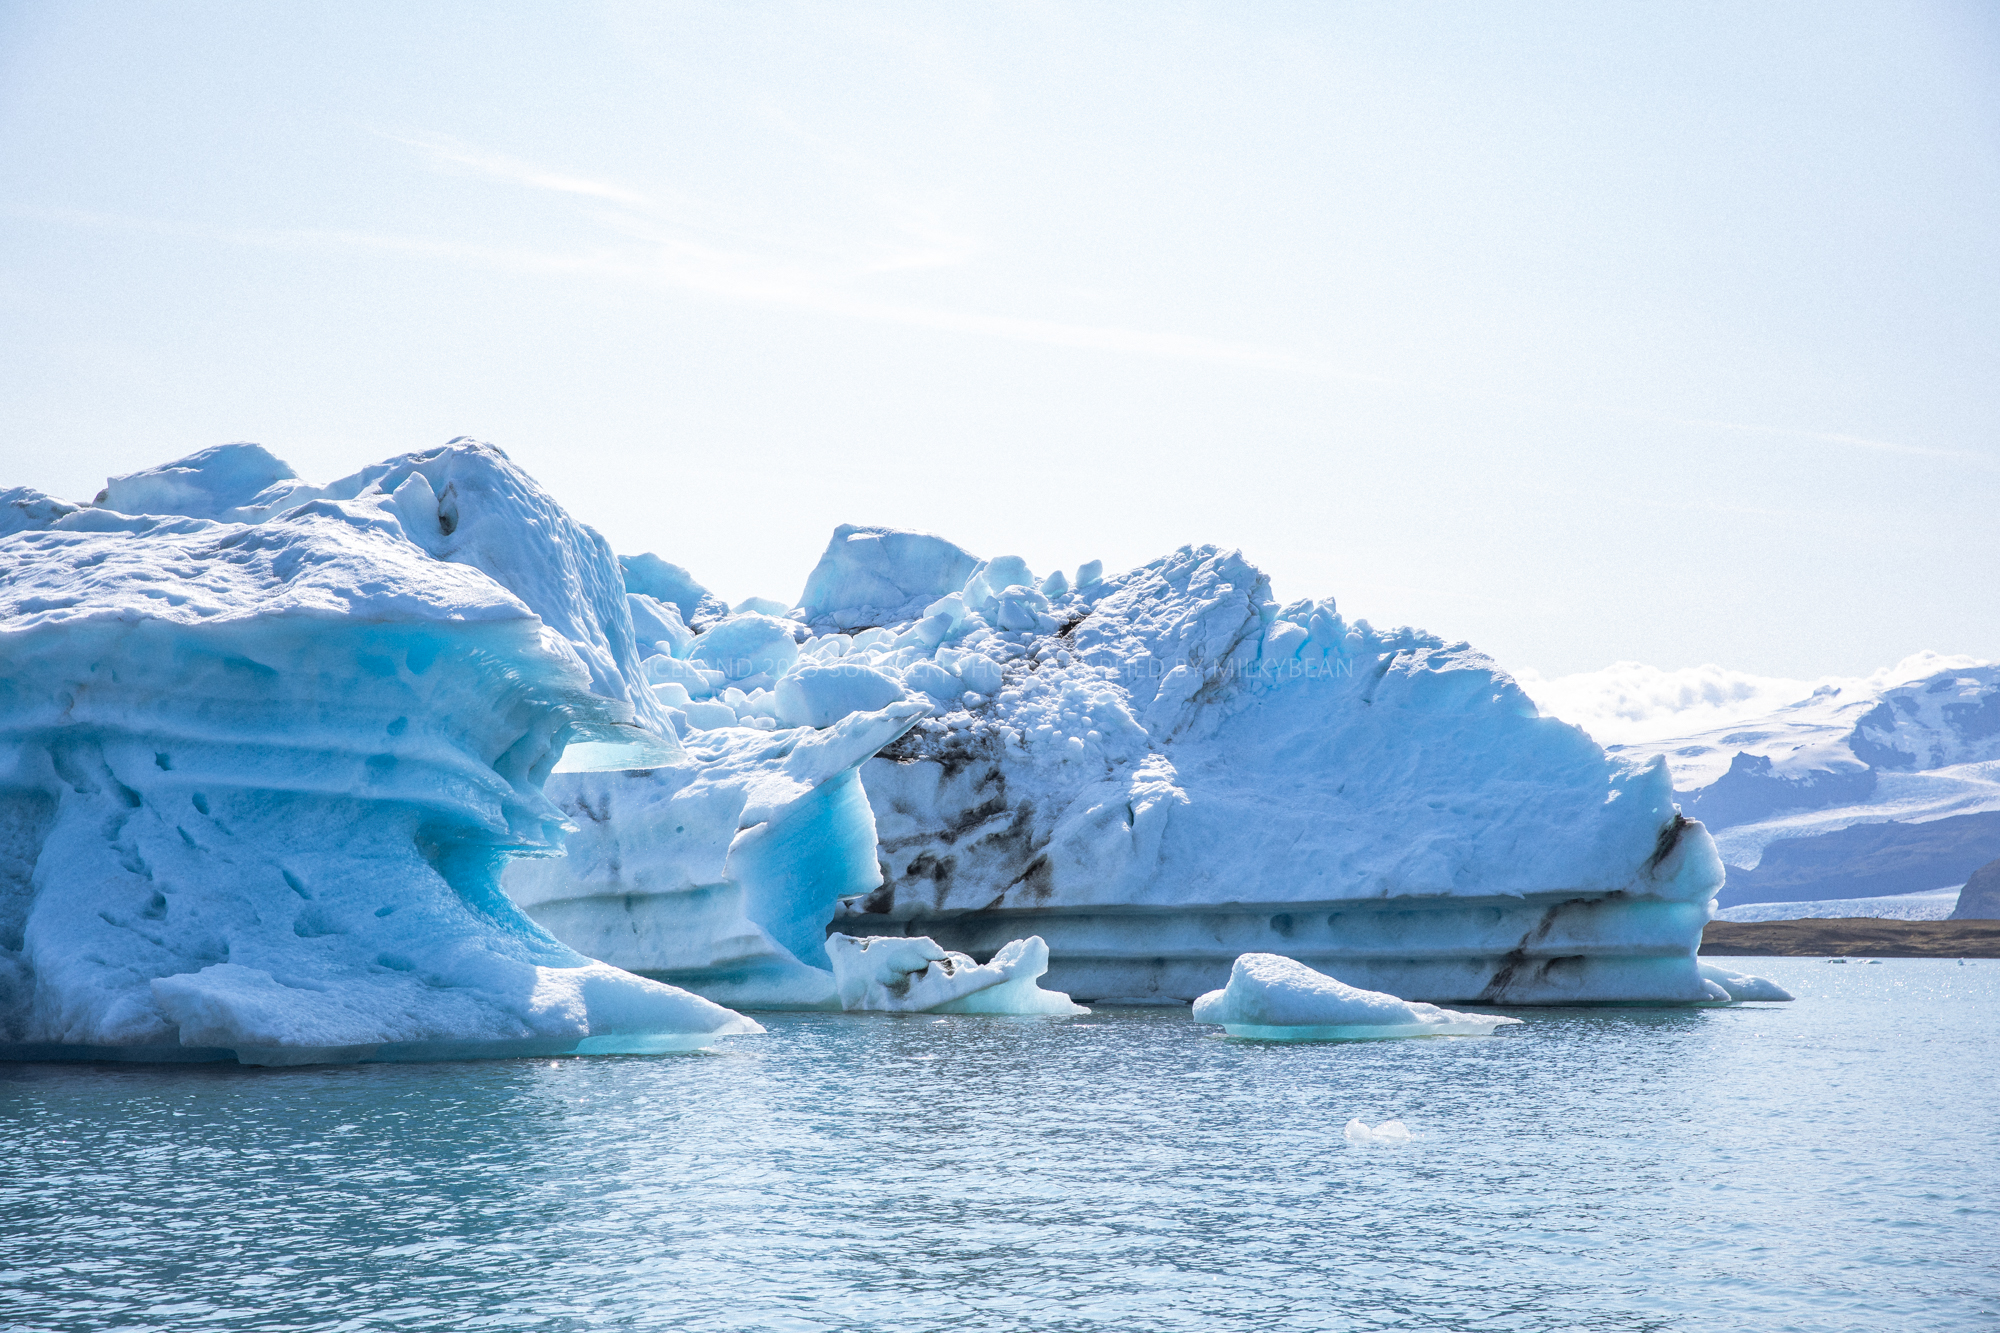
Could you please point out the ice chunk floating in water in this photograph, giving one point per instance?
(1276, 999)
(1737, 986)
(1389, 1131)
(899, 974)
(264, 752)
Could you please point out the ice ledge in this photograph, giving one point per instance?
(1552, 948)
(854, 911)
(396, 1052)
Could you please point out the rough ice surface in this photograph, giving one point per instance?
(462, 504)
(901, 974)
(1738, 986)
(1270, 998)
(265, 748)
(667, 583)
(1389, 1131)
(875, 575)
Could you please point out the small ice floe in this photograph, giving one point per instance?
(1389, 1131)
(1270, 998)
(1737, 986)
(1836, 960)
(896, 974)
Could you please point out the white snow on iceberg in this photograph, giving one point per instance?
(1270, 998)
(262, 760)
(898, 974)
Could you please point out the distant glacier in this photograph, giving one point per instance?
(1934, 905)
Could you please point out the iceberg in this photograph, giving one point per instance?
(1270, 998)
(1389, 1131)
(266, 747)
(1735, 986)
(668, 585)
(1979, 897)
(898, 974)
(1161, 770)
(1154, 772)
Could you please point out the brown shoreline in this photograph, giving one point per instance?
(1852, 937)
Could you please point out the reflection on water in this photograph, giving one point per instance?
(1828, 1164)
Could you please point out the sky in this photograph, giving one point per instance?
(1589, 333)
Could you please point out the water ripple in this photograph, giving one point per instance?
(1825, 1165)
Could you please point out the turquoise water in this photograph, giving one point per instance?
(1828, 1164)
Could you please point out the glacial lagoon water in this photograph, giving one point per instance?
(1828, 1164)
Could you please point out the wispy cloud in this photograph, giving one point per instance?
(514, 171)
(683, 264)
(729, 253)
(817, 273)
(1834, 437)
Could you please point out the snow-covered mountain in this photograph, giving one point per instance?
(1849, 788)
